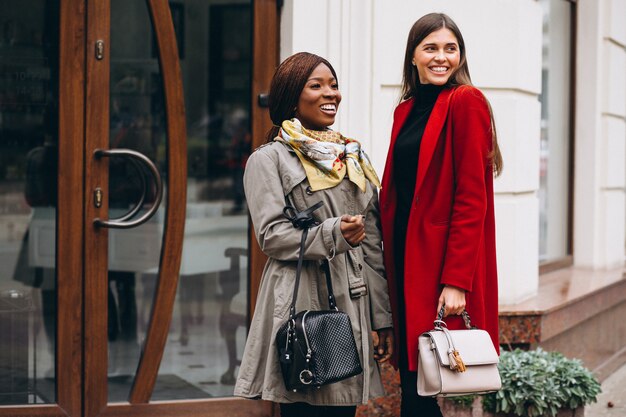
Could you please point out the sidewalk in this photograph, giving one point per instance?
(613, 391)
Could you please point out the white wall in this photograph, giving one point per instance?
(503, 40)
(365, 41)
(340, 31)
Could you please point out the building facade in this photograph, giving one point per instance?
(559, 111)
(150, 319)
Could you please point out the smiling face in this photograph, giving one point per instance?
(437, 57)
(319, 100)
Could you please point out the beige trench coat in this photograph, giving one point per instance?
(274, 174)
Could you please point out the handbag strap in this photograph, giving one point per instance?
(439, 323)
(304, 220)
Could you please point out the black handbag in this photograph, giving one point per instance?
(315, 348)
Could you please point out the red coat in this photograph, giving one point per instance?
(451, 230)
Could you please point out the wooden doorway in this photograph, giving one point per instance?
(122, 126)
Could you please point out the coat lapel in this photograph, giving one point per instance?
(403, 111)
(431, 135)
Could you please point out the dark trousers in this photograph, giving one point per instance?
(413, 405)
(308, 410)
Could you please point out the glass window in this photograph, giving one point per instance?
(554, 195)
(209, 322)
(29, 92)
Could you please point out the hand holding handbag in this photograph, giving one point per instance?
(315, 348)
(456, 362)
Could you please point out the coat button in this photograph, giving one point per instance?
(360, 267)
(309, 191)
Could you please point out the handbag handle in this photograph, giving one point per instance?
(304, 220)
(466, 319)
(456, 362)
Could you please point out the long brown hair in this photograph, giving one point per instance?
(424, 26)
(287, 85)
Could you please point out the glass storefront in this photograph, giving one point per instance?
(209, 323)
(28, 184)
(208, 326)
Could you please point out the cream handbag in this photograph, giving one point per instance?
(456, 362)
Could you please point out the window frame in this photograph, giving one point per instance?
(568, 260)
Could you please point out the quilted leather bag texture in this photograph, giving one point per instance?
(333, 353)
(315, 348)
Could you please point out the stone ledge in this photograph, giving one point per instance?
(578, 312)
(449, 409)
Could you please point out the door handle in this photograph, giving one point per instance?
(264, 100)
(125, 222)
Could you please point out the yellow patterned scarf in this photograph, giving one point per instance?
(327, 155)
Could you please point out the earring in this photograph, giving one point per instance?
(413, 62)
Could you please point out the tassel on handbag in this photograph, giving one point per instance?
(456, 363)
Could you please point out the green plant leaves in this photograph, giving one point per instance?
(463, 401)
(539, 383)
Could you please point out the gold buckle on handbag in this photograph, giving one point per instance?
(358, 291)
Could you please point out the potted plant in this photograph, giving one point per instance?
(536, 384)
(462, 406)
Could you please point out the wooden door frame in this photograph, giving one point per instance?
(81, 260)
(265, 57)
(266, 51)
(95, 259)
(70, 233)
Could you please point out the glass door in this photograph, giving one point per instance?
(128, 269)
(167, 300)
(28, 203)
(41, 124)
(209, 316)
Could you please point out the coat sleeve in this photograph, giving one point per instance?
(276, 235)
(374, 268)
(471, 142)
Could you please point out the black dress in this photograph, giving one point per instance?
(405, 158)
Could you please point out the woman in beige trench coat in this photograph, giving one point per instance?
(304, 97)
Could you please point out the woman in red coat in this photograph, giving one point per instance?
(437, 200)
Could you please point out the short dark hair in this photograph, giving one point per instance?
(287, 85)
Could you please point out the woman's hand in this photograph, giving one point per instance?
(353, 229)
(383, 344)
(454, 300)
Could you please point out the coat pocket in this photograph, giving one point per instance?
(283, 292)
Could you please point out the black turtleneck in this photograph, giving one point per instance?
(405, 156)
(407, 148)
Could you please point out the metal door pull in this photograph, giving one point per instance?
(137, 159)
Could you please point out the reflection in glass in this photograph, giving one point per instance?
(555, 131)
(208, 327)
(137, 122)
(28, 195)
